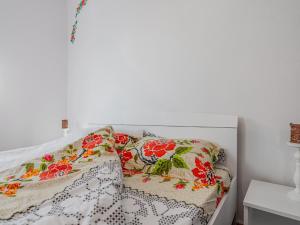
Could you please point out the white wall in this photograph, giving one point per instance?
(235, 57)
(33, 58)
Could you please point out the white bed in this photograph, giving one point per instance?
(218, 128)
(15, 157)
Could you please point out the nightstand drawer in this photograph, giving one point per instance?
(257, 217)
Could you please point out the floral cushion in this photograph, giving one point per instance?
(181, 158)
(220, 157)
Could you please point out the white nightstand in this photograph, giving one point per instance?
(267, 203)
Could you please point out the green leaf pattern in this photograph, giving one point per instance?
(162, 167)
(183, 150)
(29, 166)
(179, 162)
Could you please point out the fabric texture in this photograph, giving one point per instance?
(25, 185)
(220, 158)
(93, 198)
(87, 182)
(181, 158)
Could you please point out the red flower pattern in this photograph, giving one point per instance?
(50, 168)
(55, 170)
(221, 195)
(48, 157)
(128, 172)
(206, 151)
(121, 138)
(180, 186)
(158, 148)
(91, 141)
(124, 156)
(196, 141)
(146, 179)
(204, 172)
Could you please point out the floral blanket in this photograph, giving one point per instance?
(87, 183)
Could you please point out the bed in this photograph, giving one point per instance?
(220, 128)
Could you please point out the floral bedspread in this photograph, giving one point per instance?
(86, 183)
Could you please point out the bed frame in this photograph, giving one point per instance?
(219, 128)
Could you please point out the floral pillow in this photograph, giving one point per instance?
(220, 157)
(180, 158)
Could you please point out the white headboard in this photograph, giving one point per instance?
(221, 129)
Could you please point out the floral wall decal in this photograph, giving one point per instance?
(79, 8)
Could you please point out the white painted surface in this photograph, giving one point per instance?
(234, 57)
(169, 119)
(295, 194)
(33, 57)
(272, 198)
(258, 217)
(219, 128)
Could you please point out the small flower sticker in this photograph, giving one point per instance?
(79, 8)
